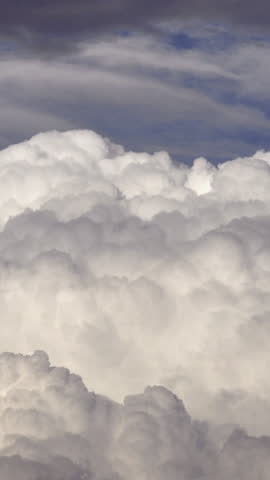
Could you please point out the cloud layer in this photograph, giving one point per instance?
(132, 270)
(62, 24)
(146, 93)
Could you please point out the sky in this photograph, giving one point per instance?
(134, 240)
(187, 77)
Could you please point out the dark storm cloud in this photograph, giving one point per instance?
(60, 24)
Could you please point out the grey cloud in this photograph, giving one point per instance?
(60, 25)
(53, 427)
(17, 468)
(101, 90)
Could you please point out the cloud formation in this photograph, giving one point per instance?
(53, 427)
(132, 270)
(60, 25)
(198, 100)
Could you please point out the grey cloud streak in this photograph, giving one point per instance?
(59, 25)
(134, 90)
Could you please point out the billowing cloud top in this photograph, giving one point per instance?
(132, 270)
(53, 427)
(61, 24)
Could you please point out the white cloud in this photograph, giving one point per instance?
(53, 427)
(132, 270)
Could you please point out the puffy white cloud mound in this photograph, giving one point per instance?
(53, 427)
(132, 270)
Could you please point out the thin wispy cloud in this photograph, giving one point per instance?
(144, 92)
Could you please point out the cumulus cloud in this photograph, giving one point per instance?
(132, 270)
(53, 427)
